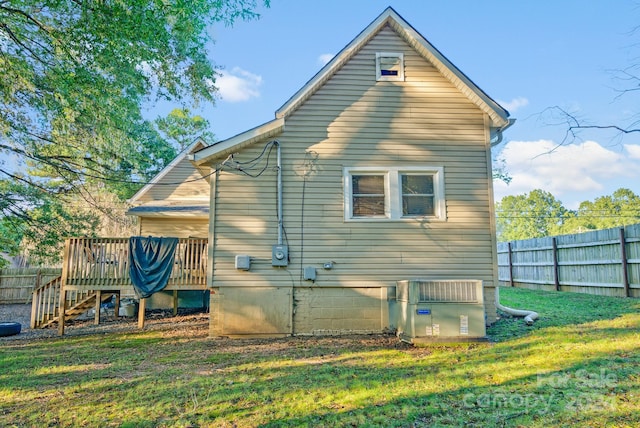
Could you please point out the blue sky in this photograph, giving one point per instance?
(528, 55)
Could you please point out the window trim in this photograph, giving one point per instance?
(387, 78)
(393, 192)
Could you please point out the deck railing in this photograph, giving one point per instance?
(45, 304)
(103, 264)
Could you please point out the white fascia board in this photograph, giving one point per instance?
(460, 80)
(336, 63)
(231, 145)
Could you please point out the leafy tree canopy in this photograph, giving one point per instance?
(75, 75)
(531, 215)
(182, 129)
(538, 214)
(619, 209)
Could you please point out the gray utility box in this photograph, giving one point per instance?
(440, 310)
(279, 255)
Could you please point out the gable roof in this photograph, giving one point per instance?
(390, 17)
(498, 115)
(195, 146)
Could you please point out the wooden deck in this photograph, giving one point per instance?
(101, 265)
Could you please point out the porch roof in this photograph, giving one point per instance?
(170, 210)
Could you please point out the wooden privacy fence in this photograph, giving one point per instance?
(17, 285)
(605, 262)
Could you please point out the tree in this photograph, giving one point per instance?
(539, 214)
(74, 82)
(150, 155)
(182, 129)
(10, 238)
(619, 209)
(37, 230)
(533, 215)
(75, 75)
(500, 171)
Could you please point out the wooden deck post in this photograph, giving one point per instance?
(63, 309)
(96, 320)
(63, 292)
(35, 304)
(175, 302)
(141, 309)
(116, 309)
(38, 279)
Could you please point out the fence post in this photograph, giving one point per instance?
(556, 276)
(623, 256)
(510, 263)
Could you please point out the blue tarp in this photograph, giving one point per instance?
(150, 263)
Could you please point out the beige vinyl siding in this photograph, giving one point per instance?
(183, 182)
(355, 121)
(245, 223)
(174, 227)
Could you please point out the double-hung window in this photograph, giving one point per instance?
(368, 195)
(394, 193)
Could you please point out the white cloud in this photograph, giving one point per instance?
(633, 150)
(325, 58)
(238, 85)
(563, 170)
(514, 104)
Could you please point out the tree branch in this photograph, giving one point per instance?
(42, 27)
(20, 43)
(575, 124)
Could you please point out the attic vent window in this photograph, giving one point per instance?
(389, 66)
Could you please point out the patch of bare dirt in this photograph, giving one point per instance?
(154, 320)
(193, 325)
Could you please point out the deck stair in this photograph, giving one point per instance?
(45, 306)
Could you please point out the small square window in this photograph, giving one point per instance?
(389, 66)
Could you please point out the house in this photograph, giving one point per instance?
(175, 203)
(377, 170)
(95, 270)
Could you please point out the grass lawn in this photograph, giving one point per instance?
(578, 365)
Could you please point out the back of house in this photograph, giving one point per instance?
(377, 171)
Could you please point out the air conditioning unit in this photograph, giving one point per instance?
(440, 310)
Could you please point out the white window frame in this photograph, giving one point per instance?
(379, 68)
(393, 192)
